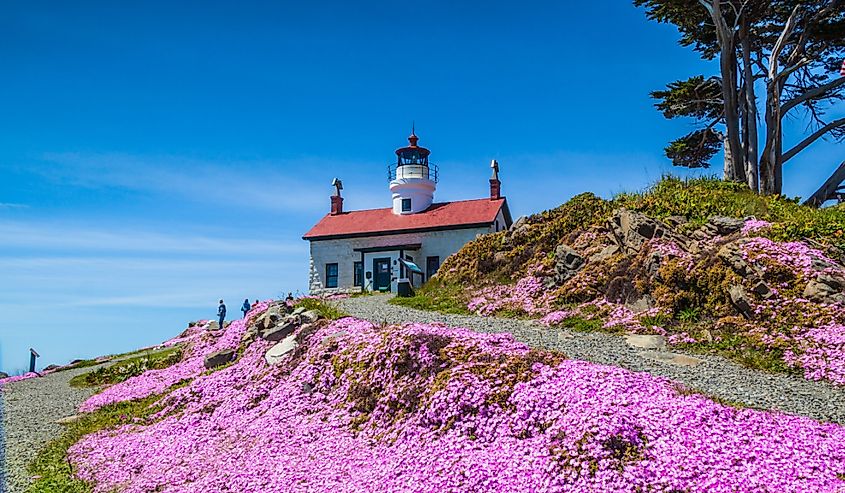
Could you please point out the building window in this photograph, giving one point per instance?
(497, 225)
(359, 274)
(431, 266)
(331, 275)
(406, 205)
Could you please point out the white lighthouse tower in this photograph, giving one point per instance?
(413, 179)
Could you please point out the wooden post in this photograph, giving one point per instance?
(32, 356)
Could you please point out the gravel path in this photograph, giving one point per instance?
(30, 409)
(714, 376)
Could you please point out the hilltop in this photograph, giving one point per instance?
(706, 264)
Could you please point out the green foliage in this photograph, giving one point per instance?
(437, 296)
(322, 307)
(695, 149)
(690, 314)
(696, 97)
(745, 351)
(127, 368)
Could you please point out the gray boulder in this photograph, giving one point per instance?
(740, 300)
(299, 310)
(276, 353)
(310, 317)
(219, 358)
(763, 290)
(567, 263)
(280, 331)
(826, 288)
(4, 374)
(606, 253)
(520, 223)
(250, 335)
(645, 341)
(726, 225)
(730, 254)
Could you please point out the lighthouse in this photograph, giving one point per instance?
(413, 179)
(398, 248)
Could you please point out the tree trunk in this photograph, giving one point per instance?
(771, 165)
(751, 158)
(727, 66)
(729, 92)
(769, 162)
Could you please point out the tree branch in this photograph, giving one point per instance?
(828, 188)
(781, 42)
(811, 94)
(812, 138)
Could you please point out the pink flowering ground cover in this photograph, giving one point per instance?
(428, 408)
(17, 378)
(199, 342)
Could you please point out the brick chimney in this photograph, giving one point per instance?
(337, 205)
(337, 200)
(495, 184)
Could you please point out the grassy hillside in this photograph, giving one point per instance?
(772, 256)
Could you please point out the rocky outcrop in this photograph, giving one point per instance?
(630, 230)
(567, 263)
(718, 226)
(826, 288)
(731, 254)
(219, 358)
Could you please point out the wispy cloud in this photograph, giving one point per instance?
(9, 205)
(65, 239)
(252, 184)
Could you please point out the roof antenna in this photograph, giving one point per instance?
(413, 128)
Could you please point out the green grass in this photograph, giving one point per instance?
(744, 352)
(436, 296)
(322, 307)
(51, 465)
(129, 367)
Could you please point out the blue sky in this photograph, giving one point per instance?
(156, 157)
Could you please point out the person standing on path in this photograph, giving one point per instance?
(245, 308)
(221, 313)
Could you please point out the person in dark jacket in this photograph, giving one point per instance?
(221, 312)
(245, 308)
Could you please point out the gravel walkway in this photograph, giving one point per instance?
(714, 376)
(30, 409)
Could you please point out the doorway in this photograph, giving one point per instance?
(381, 274)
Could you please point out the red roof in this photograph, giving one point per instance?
(446, 215)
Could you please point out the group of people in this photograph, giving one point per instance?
(245, 308)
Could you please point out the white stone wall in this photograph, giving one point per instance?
(342, 251)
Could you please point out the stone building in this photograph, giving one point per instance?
(377, 249)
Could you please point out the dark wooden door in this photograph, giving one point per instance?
(381, 274)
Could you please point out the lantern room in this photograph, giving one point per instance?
(413, 179)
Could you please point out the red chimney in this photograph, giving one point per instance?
(337, 205)
(337, 200)
(495, 184)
